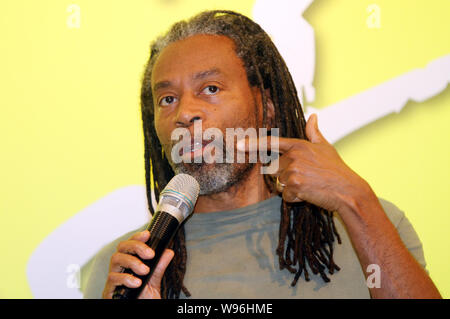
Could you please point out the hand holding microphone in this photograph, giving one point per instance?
(129, 255)
(138, 265)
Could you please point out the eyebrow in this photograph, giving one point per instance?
(204, 74)
(196, 76)
(162, 85)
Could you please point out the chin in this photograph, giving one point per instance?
(216, 177)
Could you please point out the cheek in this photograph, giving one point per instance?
(243, 111)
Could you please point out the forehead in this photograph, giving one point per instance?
(196, 54)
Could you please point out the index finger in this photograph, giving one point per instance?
(274, 143)
(141, 236)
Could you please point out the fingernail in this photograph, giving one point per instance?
(137, 282)
(148, 253)
(144, 268)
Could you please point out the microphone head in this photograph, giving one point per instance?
(181, 192)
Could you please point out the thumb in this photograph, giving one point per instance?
(312, 130)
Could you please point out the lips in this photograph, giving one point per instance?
(195, 147)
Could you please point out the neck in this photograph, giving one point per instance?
(250, 190)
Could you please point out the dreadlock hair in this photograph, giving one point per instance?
(307, 232)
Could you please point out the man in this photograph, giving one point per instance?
(253, 234)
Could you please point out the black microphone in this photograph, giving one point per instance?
(176, 203)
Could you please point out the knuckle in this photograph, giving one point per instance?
(122, 245)
(111, 277)
(294, 180)
(114, 258)
(293, 154)
(293, 169)
(117, 258)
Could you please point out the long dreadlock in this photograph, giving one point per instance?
(307, 232)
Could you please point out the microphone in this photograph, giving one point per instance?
(176, 203)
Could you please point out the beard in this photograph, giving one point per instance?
(215, 177)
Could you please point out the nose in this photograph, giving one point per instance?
(189, 110)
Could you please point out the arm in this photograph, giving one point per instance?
(376, 241)
(313, 171)
(328, 182)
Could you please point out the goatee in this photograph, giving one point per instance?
(215, 177)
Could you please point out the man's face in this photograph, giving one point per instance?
(201, 78)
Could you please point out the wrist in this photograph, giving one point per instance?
(358, 201)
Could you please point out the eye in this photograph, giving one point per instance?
(210, 90)
(167, 100)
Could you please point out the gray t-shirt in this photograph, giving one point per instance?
(231, 254)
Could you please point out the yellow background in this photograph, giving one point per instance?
(70, 125)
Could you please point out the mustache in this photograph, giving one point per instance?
(188, 145)
(191, 145)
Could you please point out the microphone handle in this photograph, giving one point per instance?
(163, 228)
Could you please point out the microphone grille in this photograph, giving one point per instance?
(186, 186)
